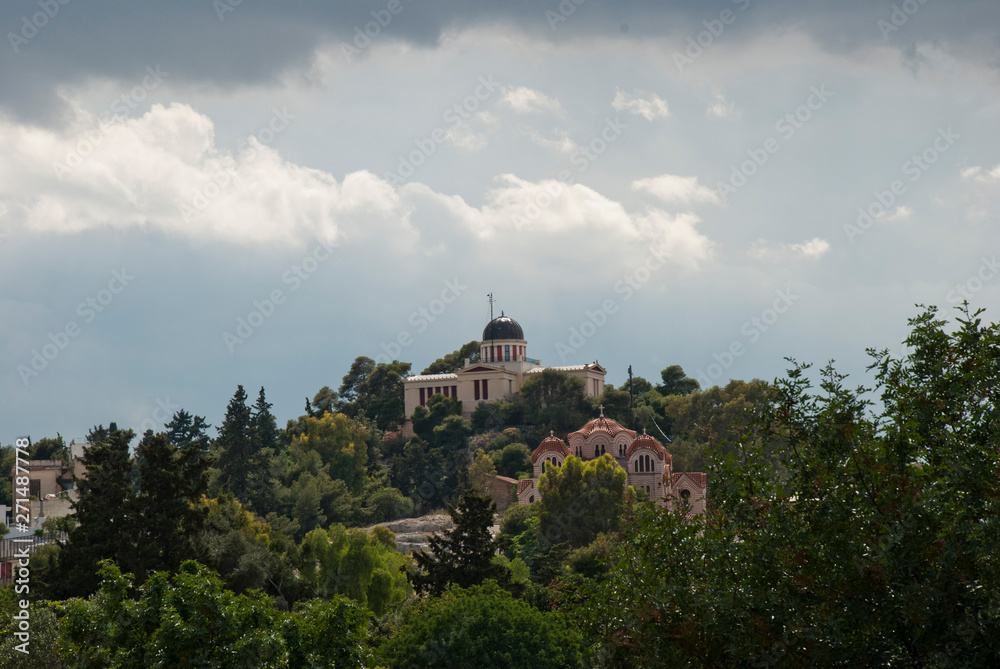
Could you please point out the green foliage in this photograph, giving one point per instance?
(676, 382)
(513, 460)
(8, 457)
(340, 445)
(580, 500)
(464, 555)
(554, 400)
(498, 414)
(426, 419)
(185, 429)
(454, 361)
(875, 546)
(177, 620)
(48, 449)
(330, 633)
(482, 474)
(374, 391)
(481, 626)
(105, 512)
(339, 561)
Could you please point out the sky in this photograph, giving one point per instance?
(196, 195)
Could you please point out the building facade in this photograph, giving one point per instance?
(647, 464)
(498, 371)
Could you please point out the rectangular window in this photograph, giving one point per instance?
(454, 392)
(476, 385)
(423, 397)
(437, 391)
(486, 390)
(506, 352)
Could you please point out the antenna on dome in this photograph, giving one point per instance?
(491, 305)
(492, 329)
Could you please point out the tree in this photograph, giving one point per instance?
(166, 520)
(482, 473)
(464, 555)
(554, 399)
(48, 449)
(874, 546)
(675, 382)
(374, 391)
(263, 448)
(454, 361)
(580, 500)
(235, 446)
(513, 460)
(482, 626)
(184, 429)
(106, 500)
(338, 561)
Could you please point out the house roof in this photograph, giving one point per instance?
(647, 442)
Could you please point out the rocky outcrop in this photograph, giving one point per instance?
(412, 534)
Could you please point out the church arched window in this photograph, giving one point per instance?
(635, 466)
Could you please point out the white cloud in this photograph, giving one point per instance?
(163, 170)
(765, 250)
(562, 142)
(647, 105)
(976, 173)
(674, 189)
(524, 100)
(721, 108)
(900, 213)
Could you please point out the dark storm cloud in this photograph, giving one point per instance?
(230, 43)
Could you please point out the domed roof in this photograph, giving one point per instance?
(550, 443)
(602, 424)
(502, 327)
(647, 442)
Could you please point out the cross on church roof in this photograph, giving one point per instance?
(552, 433)
(601, 407)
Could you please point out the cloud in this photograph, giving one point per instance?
(647, 105)
(674, 189)
(524, 100)
(562, 142)
(163, 170)
(767, 251)
(900, 213)
(976, 174)
(721, 108)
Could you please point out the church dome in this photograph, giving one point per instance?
(502, 327)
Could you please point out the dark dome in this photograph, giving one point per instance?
(502, 327)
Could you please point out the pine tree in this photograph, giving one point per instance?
(184, 429)
(263, 447)
(171, 481)
(464, 555)
(235, 446)
(104, 511)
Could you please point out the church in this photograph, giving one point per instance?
(499, 370)
(648, 466)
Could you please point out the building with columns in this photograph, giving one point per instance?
(648, 466)
(498, 371)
